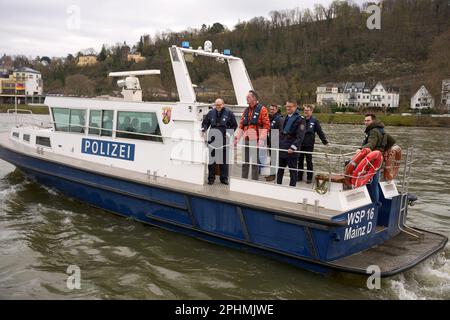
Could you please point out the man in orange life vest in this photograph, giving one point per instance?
(253, 127)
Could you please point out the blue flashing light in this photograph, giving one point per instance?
(227, 52)
(185, 44)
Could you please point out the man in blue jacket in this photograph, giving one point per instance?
(292, 132)
(219, 120)
(312, 127)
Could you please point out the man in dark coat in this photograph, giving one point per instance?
(292, 132)
(275, 119)
(376, 137)
(218, 120)
(312, 127)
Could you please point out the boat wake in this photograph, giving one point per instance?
(429, 280)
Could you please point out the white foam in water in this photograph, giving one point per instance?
(4, 194)
(429, 280)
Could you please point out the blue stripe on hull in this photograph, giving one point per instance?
(238, 226)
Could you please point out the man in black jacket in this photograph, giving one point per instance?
(219, 120)
(312, 127)
(292, 132)
(275, 121)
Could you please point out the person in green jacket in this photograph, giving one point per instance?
(376, 137)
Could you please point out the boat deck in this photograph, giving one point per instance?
(395, 255)
(217, 191)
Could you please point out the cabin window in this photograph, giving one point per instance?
(69, 120)
(101, 119)
(107, 123)
(16, 135)
(43, 141)
(26, 137)
(138, 125)
(61, 117)
(95, 121)
(77, 120)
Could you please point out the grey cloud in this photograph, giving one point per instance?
(40, 27)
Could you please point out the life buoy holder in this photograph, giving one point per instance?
(351, 166)
(367, 168)
(393, 158)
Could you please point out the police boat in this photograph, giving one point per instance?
(156, 173)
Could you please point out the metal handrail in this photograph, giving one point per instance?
(202, 141)
(322, 155)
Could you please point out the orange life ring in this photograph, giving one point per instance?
(367, 169)
(351, 166)
(393, 157)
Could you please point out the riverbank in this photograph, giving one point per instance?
(35, 109)
(331, 118)
(388, 120)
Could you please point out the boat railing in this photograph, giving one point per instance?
(330, 160)
(404, 195)
(330, 163)
(25, 117)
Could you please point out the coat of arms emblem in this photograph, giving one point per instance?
(167, 114)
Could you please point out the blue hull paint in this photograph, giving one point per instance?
(238, 226)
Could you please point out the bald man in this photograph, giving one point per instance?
(217, 122)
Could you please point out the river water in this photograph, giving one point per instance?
(43, 232)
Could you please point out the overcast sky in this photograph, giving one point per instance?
(52, 28)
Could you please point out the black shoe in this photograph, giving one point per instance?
(308, 181)
(299, 179)
(211, 182)
(225, 182)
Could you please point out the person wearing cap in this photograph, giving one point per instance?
(217, 122)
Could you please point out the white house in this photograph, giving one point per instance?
(330, 93)
(32, 80)
(358, 94)
(445, 95)
(352, 91)
(384, 97)
(422, 99)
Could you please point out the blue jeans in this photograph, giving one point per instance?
(374, 189)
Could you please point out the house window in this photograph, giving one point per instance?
(138, 125)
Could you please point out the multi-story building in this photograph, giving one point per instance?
(136, 57)
(331, 93)
(384, 97)
(352, 90)
(445, 95)
(422, 99)
(25, 84)
(358, 95)
(31, 79)
(88, 60)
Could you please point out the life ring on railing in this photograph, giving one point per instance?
(351, 166)
(367, 169)
(393, 157)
